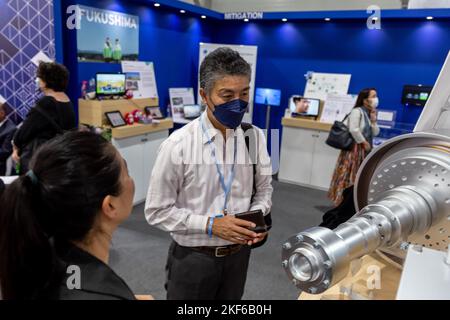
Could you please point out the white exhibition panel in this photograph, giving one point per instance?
(306, 159)
(140, 154)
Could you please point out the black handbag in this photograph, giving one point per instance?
(340, 136)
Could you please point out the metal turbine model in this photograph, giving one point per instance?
(402, 195)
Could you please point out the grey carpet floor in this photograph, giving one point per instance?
(139, 251)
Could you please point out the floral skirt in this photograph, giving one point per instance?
(345, 172)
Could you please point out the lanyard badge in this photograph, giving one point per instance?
(226, 186)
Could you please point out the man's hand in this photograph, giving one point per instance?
(259, 238)
(235, 230)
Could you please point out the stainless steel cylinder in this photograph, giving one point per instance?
(406, 185)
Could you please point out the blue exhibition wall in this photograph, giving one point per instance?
(404, 51)
(167, 38)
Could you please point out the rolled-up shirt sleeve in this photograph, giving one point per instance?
(262, 200)
(160, 205)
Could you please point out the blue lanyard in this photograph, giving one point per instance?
(225, 186)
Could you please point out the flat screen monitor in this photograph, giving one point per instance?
(416, 95)
(304, 107)
(191, 111)
(270, 97)
(110, 84)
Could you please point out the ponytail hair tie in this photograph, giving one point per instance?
(34, 180)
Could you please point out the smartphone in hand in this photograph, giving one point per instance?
(255, 216)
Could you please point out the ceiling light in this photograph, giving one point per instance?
(157, 5)
(430, 18)
(246, 20)
(182, 11)
(327, 19)
(203, 17)
(284, 19)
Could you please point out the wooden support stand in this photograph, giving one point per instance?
(92, 112)
(376, 279)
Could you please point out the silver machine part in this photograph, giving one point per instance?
(402, 195)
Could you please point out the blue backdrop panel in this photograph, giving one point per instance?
(402, 52)
(168, 39)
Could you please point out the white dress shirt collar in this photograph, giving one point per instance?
(212, 131)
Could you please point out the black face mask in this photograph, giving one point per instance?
(231, 113)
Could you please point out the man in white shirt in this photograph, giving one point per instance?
(203, 176)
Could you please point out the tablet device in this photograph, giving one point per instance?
(304, 107)
(115, 119)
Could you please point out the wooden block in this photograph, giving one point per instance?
(306, 124)
(358, 283)
(138, 129)
(92, 112)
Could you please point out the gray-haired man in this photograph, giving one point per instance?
(200, 181)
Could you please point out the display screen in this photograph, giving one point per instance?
(416, 95)
(269, 97)
(110, 84)
(115, 119)
(191, 111)
(304, 106)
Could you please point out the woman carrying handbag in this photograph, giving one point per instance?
(362, 125)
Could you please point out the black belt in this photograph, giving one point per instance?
(219, 252)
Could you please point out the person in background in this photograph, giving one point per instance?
(52, 115)
(7, 130)
(117, 53)
(362, 124)
(62, 214)
(196, 200)
(301, 105)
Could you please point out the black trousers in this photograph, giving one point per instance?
(193, 275)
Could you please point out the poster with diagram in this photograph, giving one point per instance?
(319, 85)
(140, 78)
(337, 106)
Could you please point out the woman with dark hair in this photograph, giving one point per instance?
(57, 222)
(52, 115)
(362, 124)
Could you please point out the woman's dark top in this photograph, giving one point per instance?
(37, 126)
(97, 280)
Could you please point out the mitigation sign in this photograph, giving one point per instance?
(243, 15)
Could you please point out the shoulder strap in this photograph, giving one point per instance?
(246, 127)
(49, 119)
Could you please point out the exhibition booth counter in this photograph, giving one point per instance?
(138, 143)
(305, 157)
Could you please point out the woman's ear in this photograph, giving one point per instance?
(108, 207)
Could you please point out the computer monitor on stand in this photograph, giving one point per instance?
(268, 97)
